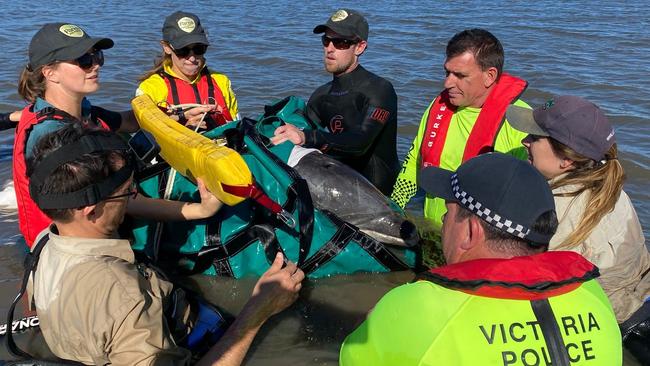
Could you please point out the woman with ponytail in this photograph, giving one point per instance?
(64, 67)
(573, 145)
(180, 82)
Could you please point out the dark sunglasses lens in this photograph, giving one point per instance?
(89, 59)
(99, 58)
(339, 43)
(325, 40)
(183, 52)
(85, 61)
(198, 50)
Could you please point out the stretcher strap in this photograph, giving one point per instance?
(255, 193)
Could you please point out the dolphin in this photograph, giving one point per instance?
(342, 190)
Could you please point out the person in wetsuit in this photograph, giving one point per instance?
(357, 110)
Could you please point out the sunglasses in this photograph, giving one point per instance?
(132, 193)
(88, 60)
(339, 43)
(197, 50)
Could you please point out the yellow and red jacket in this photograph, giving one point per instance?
(166, 88)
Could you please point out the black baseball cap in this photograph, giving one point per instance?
(62, 42)
(347, 23)
(182, 29)
(507, 193)
(573, 121)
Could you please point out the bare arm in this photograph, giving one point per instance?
(275, 291)
(166, 210)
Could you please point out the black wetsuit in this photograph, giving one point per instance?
(5, 122)
(359, 110)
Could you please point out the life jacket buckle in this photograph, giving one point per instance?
(286, 218)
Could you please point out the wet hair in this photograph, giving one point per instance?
(503, 242)
(603, 180)
(485, 47)
(31, 83)
(87, 169)
(158, 66)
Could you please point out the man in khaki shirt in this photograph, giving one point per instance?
(95, 303)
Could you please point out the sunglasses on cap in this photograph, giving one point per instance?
(339, 43)
(197, 50)
(88, 60)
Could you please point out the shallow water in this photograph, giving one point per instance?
(596, 49)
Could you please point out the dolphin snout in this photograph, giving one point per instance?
(409, 233)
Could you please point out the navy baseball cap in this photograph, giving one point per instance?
(62, 42)
(507, 193)
(573, 121)
(346, 23)
(183, 29)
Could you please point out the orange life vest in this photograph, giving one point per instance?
(31, 220)
(204, 91)
(483, 135)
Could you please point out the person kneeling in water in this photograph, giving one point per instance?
(572, 143)
(502, 299)
(125, 313)
(180, 80)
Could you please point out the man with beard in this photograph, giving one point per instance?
(356, 112)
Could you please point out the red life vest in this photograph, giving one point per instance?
(204, 91)
(523, 278)
(483, 135)
(31, 220)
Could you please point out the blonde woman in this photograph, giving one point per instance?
(572, 144)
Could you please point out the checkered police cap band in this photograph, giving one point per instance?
(493, 218)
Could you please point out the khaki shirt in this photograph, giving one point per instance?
(616, 246)
(96, 306)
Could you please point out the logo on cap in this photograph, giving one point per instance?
(186, 24)
(339, 15)
(71, 30)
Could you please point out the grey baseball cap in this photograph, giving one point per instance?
(507, 193)
(347, 23)
(62, 42)
(182, 29)
(573, 121)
